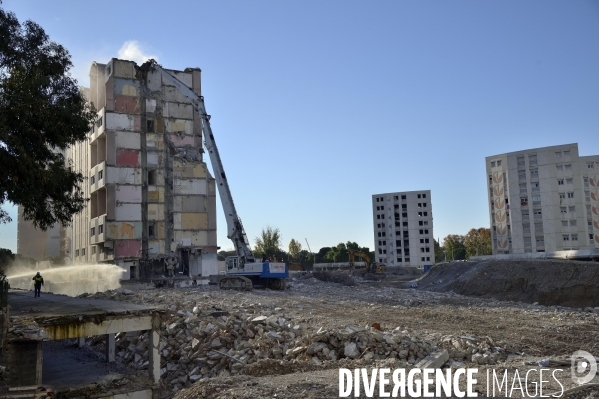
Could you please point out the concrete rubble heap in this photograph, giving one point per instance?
(204, 338)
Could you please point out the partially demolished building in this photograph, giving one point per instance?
(152, 206)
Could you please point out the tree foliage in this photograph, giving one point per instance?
(6, 260)
(42, 112)
(478, 242)
(340, 253)
(268, 243)
(454, 247)
(294, 249)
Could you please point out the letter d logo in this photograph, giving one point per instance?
(583, 362)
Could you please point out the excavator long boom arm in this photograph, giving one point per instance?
(235, 230)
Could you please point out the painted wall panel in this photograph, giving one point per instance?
(128, 193)
(195, 203)
(193, 221)
(181, 141)
(123, 69)
(152, 158)
(119, 121)
(123, 175)
(177, 110)
(172, 94)
(126, 104)
(126, 87)
(179, 125)
(190, 186)
(124, 230)
(196, 238)
(127, 140)
(156, 194)
(155, 211)
(127, 158)
(128, 211)
(127, 248)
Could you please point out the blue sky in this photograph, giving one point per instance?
(317, 105)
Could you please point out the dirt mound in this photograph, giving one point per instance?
(548, 282)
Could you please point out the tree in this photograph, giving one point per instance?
(321, 254)
(454, 247)
(6, 260)
(42, 112)
(294, 249)
(439, 251)
(269, 242)
(222, 255)
(478, 242)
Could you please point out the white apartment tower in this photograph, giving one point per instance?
(543, 199)
(403, 228)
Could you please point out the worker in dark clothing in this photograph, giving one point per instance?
(38, 281)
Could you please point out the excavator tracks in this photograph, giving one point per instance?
(238, 283)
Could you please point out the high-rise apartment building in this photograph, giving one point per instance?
(152, 207)
(543, 199)
(34, 243)
(403, 228)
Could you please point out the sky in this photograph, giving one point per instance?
(318, 105)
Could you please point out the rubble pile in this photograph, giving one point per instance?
(204, 338)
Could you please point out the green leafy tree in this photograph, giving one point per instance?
(6, 260)
(306, 259)
(439, 252)
(478, 242)
(294, 249)
(321, 254)
(222, 255)
(454, 247)
(42, 112)
(338, 254)
(269, 242)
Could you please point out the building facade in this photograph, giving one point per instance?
(152, 207)
(34, 243)
(543, 199)
(403, 228)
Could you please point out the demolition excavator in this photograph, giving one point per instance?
(242, 270)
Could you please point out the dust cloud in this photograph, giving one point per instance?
(68, 280)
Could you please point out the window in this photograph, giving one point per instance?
(426, 240)
(398, 260)
(425, 231)
(571, 209)
(420, 214)
(428, 249)
(83, 252)
(499, 163)
(150, 126)
(405, 234)
(382, 224)
(587, 196)
(492, 164)
(570, 195)
(93, 249)
(423, 195)
(404, 214)
(558, 154)
(421, 231)
(378, 225)
(585, 180)
(407, 259)
(405, 224)
(398, 243)
(532, 159)
(536, 199)
(560, 182)
(566, 153)
(568, 167)
(426, 222)
(424, 204)
(421, 223)
(520, 161)
(569, 181)
(384, 242)
(378, 217)
(523, 201)
(425, 213)
(419, 195)
(428, 258)
(560, 168)
(101, 229)
(534, 173)
(152, 231)
(563, 209)
(404, 206)
(379, 234)
(574, 237)
(77, 252)
(590, 165)
(562, 195)
(423, 258)
(403, 197)
(590, 236)
(377, 200)
(383, 233)
(521, 175)
(395, 206)
(422, 241)
(92, 180)
(564, 223)
(566, 237)
(93, 231)
(395, 197)
(100, 174)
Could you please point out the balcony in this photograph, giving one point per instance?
(97, 177)
(99, 127)
(99, 227)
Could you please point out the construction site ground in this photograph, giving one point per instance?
(514, 333)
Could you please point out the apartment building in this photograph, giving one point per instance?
(34, 243)
(152, 207)
(403, 228)
(543, 199)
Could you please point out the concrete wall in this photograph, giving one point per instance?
(23, 362)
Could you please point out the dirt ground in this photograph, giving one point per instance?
(536, 332)
(524, 333)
